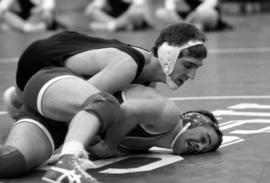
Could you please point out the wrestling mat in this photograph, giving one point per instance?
(243, 156)
(234, 83)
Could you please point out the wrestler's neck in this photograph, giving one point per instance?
(166, 139)
(146, 53)
(152, 71)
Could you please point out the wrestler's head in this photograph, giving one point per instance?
(180, 50)
(200, 134)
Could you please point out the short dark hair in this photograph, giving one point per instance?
(179, 34)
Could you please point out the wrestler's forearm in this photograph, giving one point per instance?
(118, 131)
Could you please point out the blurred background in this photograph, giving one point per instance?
(251, 16)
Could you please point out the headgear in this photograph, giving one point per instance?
(167, 57)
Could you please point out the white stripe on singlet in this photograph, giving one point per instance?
(45, 87)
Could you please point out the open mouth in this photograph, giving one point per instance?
(179, 82)
(191, 147)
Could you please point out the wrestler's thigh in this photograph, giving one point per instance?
(56, 93)
(63, 99)
(31, 141)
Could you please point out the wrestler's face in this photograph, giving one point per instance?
(185, 68)
(196, 140)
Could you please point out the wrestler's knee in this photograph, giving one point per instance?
(12, 162)
(105, 106)
(208, 19)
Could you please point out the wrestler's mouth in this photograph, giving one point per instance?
(191, 147)
(179, 82)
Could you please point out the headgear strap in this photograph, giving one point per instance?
(168, 54)
(180, 133)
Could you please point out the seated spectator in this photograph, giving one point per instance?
(29, 16)
(205, 14)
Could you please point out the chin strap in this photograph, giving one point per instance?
(180, 133)
(170, 83)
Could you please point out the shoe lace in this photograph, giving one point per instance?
(70, 175)
(82, 171)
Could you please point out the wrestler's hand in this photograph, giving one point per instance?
(102, 150)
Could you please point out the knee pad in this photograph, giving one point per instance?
(12, 162)
(105, 106)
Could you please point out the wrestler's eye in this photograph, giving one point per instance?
(203, 140)
(189, 65)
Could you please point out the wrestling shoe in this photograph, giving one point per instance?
(12, 107)
(68, 169)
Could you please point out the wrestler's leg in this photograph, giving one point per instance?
(97, 113)
(57, 94)
(27, 147)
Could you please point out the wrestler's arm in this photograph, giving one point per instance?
(109, 69)
(148, 108)
(116, 75)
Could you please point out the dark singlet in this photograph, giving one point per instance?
(52, 52)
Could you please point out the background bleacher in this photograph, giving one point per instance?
(71, 11)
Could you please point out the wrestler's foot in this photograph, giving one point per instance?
(68, 169)
(11, 105)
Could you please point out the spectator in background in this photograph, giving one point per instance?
(113, 15)
(205, 14)
(29, 15)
